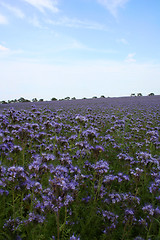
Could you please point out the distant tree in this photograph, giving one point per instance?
(22, 99)
(3, 102)
(94, 97)
(73, 98)
(133, 95)
(102, 96)
(41, 100)
(139, 94)
(12, 101)
(53, 99)
(67, 98)
(151, 94)
(84, 98)
(34, 100)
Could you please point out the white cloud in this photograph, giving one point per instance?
(7, 53)
(35, 22)
(123, 40)
(3, 49)
(76, 23)
(3, 19)
(44, 4)
(76, 45)
(130, 58)
(113, 5)
(16, 11)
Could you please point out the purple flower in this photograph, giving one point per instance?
(35, 218)
(18, 237)
(109, 178)
(157, 211)
(12, 224)
(109, 215)
(142, 222)
(139, 238)
(68, 199)
(16, 149)
(47, 157)
(74, 238)
(115, 197)
(137, 172)
(129, 212)
(90, 133)
(81, 119)
(101, 167)
(98, 149)
(149, 209)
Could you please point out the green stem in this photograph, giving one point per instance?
(58, 229)
(65, 219)
(98, 188)
(22, 205)
(149, 230)
(125, 233)
(13, 205)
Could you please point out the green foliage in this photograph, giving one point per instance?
(34, 100)
(3, 102)
(53, 99)
(23, 100)
(100, 198)
(139, 94)
(67, 98)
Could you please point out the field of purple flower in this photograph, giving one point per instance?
(80, 169)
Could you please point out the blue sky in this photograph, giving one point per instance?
(79, 48)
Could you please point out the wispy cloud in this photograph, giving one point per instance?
(16, 11)
(123, 40)
(3, 19)
(130, 58)
(7, 53)
(3, 49)
(35, 22)
(113, 5)
(41, 5)
(76, 45)
(76, 23)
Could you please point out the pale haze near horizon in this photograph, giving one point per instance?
(79, 48)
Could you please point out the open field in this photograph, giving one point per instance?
(80, 169)
(84, 103)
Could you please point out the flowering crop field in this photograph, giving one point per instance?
(80, 169)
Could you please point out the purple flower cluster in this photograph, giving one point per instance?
(82, 170)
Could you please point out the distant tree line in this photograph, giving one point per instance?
(22, 99)
(140, 94)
